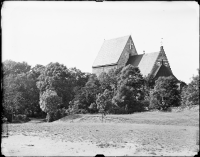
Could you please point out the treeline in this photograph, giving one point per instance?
(56, 91)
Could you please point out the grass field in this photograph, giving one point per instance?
(147, 133)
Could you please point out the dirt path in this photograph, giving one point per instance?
(89, 139)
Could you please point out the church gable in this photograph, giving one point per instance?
(129, 50)
(161, 59)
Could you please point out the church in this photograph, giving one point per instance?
(121, 51)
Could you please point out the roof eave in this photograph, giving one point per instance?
(98, 66)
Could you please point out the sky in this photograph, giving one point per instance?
(72, 33)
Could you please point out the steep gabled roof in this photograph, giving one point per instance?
(163, 71)
(110, 51)
(145, 62)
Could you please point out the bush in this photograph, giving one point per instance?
(145, 105)
(20, 118)
(190, 93)
(120, 111)
(154, 103)
(50, 117)
(93, 108)
(82, 111)
(169, 109)
(58, 114)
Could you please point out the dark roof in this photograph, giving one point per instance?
(162, 71)
(110, 51)
(145, 62)
(134, 60)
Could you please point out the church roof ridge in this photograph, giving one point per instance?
(149, 53)
(118, 37)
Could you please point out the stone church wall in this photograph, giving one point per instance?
(99, 70)
(123, 58)
(161, 56)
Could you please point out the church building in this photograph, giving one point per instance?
(121, 51)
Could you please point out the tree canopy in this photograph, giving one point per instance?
(57, 90)
(165, 93)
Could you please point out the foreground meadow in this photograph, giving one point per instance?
(148, 133)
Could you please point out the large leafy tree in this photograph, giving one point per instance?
(87, 94)
(20, 94)
(190, 93)
(49, 103)
(114, 77)
(12, 97)
(105, 81)
(37, 70)
(79, 78)
(57, 77)
(104, 102)
(165, 93)
(12, 67)
(130, 89)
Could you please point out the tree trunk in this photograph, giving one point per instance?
(102, 117)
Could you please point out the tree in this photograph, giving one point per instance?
(49, 103)
(37, 70)
(104, 102)
(20, 94)
(130, 90)
(12, 67)
(86, 95)
(190, 93)
(57, 77)
(113, 75)
(149, 81)
(165, 93)
(105, 81)
(79, 78)
(12, 98)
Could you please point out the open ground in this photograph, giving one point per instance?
(148, 133)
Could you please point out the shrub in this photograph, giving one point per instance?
(145, 105)
(58, 114)
(190, 93)
(50, 117)
(82, 111)
(93, 108)
(121, 111)
(21, 118)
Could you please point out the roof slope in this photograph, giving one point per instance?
(145, 62)
(163, 71)
(134, 60)
(110, 51)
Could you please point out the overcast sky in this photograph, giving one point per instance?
(72, 33)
